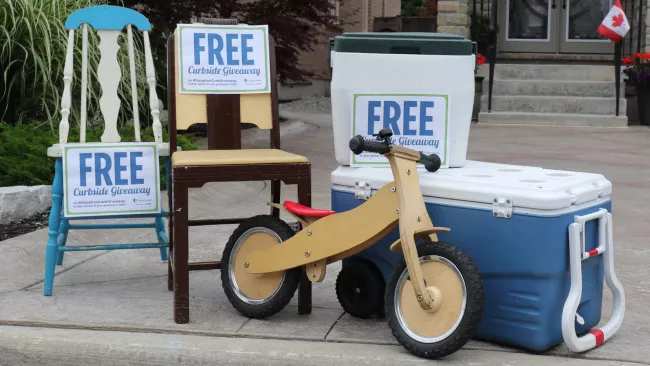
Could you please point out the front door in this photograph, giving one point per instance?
(553, 26)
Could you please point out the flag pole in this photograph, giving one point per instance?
(618, 48)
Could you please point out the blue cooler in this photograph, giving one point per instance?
(516, 223)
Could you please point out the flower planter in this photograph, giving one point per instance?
(643, 100)
(478, 87)
(478, 91)
(632, 103)
(478, 80)
(637, 70)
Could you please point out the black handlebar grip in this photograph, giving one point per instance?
(431, 162)
(358, 145)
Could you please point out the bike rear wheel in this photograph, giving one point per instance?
(257, 295)
(443, 332)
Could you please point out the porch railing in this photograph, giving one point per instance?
(632, 43)
(484, 30)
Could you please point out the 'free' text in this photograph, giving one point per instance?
(235, 48)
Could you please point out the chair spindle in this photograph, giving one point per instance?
(153, 96)
(66, 99)
(134, 86)
(109, 75)
(84, 83)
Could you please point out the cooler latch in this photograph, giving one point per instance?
(362, 190)
(502, 207)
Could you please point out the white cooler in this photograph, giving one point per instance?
(403, 65)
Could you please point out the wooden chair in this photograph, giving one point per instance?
(109, 22)
(224, 161)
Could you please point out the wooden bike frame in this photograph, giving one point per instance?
(336, 237)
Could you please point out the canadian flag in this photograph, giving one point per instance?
(615, 25)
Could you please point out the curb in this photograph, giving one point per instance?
(32, 346)
(18, 203)
(54, 346)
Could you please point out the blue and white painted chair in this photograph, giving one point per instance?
(109, 22)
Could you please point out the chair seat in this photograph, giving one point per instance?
(54, 151)
(235, 157)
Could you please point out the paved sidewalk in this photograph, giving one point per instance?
(114, 307)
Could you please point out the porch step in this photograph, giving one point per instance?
(554, 72)
(554, 104)
(552, 119)
(575, 88)
(554, 95)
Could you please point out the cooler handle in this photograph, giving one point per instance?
(577, 254)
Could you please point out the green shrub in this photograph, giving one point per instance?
(23, 151)
(33, 43)
(23, 155)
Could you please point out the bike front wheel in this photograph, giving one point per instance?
(436, 334)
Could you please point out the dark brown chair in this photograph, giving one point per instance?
(224, 161)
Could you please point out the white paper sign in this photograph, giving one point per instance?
(111, 179)
(223, 59)
(419, 122)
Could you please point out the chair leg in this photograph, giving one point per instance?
(275, 196)
(170, 272)
(63, 239)
(304, 288)
(170, 225)
(53, 232)
(160, 223)
(160, 228)
(180, 254)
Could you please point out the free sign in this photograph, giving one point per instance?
(217, 59)
(419, 122)
(104, 179)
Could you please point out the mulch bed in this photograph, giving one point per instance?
(26, 226)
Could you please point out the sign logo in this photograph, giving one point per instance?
(105, 179)
(419, 122)
(222, 59)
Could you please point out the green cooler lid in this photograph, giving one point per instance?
(417, 43)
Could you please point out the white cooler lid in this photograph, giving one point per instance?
(481, 182)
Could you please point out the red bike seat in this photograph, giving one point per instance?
(300, 210)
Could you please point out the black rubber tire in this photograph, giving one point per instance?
(292, 276)
(365, 277)
(473, 308)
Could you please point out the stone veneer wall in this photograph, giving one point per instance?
(453, 17)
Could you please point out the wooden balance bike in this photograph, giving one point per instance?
(434, 298)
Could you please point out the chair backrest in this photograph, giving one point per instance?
(108, 22)
(223, 113)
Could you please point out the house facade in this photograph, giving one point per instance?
(560, 27)
(552, 66)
